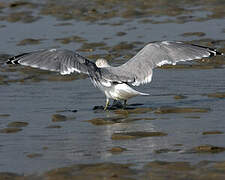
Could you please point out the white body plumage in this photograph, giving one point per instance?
(112, 90)
(120, 91)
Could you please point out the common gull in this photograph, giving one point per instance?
(115, 82)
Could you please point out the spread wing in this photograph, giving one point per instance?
(62, 61)
(138, 69)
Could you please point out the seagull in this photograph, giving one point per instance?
(115, 82)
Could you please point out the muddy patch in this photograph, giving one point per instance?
(58, 118)
(17, 124)
(199, 34)
(106, 121)
(99, 10)
(53, 126)
(92, 171)
(207, 149)
(11, 176)
(4, 115)
(167, 110)
(34, 155)
(159, 151)
(216, 95)
(114, 171)
(115, 120)
(19, 4)
(179, 97)
(117, 150)
(10, 130)
(212, 132)
(24, 16)
(29, 41)
(163, 170)
(72, 39)
(170, 166)
(137, 134)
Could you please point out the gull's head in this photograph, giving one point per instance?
(101, 63)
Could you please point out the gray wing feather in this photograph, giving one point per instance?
(63, 61)
(138, 69)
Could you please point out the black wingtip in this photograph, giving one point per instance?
(15, 59)
(12, 61)
(213, 52)
(8, 62)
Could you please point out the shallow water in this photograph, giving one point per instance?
(79, 141)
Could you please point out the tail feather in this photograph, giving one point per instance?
(143, 94)
(124, 91)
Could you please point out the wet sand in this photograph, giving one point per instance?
(114, 171)
(54, 126)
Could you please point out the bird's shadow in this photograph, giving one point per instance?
(155, 105)
(117, 105)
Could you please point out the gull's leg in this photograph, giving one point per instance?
(106, 104)
(114, 102)
(124, 104)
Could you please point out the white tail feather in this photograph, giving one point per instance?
(123, 91)
(143, 94)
